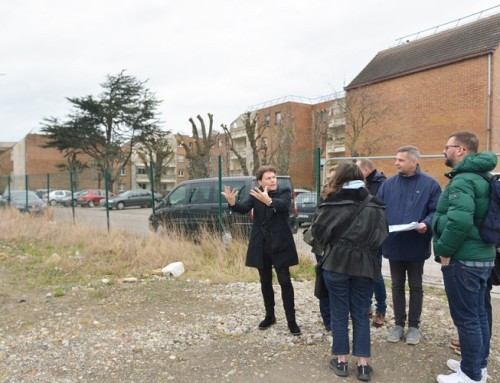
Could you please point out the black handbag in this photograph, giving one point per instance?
(320, 289)
(308, 237)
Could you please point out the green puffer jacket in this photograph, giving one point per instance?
(462, 205)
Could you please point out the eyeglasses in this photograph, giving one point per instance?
(451, 146)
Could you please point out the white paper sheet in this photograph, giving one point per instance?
(403, 227)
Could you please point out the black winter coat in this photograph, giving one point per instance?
(355, 251)
(270, 224)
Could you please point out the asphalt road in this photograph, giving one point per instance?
(133, 219)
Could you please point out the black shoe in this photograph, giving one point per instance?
(340, 368)
(365, 373)
(294, 328)
(267, 322)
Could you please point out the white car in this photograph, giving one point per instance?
(56, 196)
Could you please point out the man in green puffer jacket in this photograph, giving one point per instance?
(466, 260)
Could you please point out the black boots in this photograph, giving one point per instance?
(268, 321)
(294, 328)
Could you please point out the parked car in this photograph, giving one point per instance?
(92, 197)
(55, 196)
(194, 204)
(42, 192)
(299, 191)
(68, 201)
(24, 201)
(306, 206)
(129, 198)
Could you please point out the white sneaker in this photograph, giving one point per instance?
(456, 377)
(454, 365)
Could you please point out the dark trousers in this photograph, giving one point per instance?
(487, 305)
(379, 291)
(266, 285)
(399, 271)
(324, 304)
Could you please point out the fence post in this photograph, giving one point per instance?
(318, 172)
(48, 187)
(72, 195)
(151, 172)
(106, 187)
(219, 226)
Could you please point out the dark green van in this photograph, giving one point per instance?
(194, 205)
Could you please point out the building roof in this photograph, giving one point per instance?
(475, 39)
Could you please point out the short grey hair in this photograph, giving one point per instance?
(413, 152)
(365, 163)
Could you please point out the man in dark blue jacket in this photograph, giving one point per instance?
(374, 180)
(410, 196)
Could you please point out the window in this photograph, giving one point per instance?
(267, 120)
(142, 185)
(190, 145)
(179, 195)
(141, 170)
(277, 117)
(180, 173)
(180, 158)
(220, 143)
(121, 188)
(201, 194)
(122, 172)
(321, 116)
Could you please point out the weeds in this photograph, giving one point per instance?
(45, 253)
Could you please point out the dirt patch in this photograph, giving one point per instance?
(162, 330)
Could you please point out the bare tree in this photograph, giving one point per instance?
(280, 147)
(320, 129)
(254, 133)
(199, 154)
(242, 160)
(361, 111)
(157, 149)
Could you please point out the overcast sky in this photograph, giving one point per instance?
(199, 56)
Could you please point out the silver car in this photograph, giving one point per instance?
(26, 201)
(129, 198)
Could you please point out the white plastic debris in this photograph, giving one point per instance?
(174, 268)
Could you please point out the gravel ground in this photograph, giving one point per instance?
(167, 330)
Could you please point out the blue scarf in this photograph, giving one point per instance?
(356, 184)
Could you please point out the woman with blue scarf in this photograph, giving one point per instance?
(350, 226)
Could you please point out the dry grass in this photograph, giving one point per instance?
(48, 254)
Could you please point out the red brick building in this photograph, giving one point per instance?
(432, 87)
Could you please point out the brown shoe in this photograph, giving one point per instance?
(455, 345)
(378, 320)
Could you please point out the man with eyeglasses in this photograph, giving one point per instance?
(466, 260)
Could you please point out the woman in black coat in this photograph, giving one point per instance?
(350, 225)
(271, 242)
